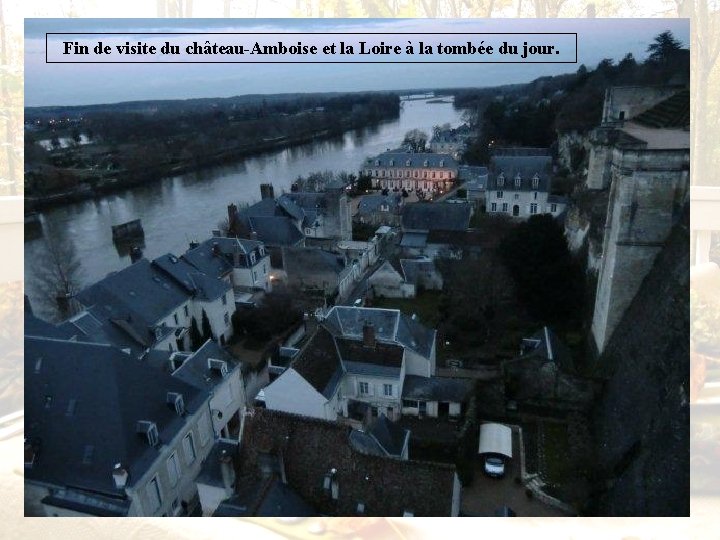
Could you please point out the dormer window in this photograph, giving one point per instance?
(501, 180)
(442, 162)
(219, 366)
(377, 162)
(425, 163)
(535, 181)
(408, 162)
(149, 430)
(517, 181)
(392, 162)
(175, 400)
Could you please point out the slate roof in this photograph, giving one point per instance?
(436, 388)
(414, 240)
(275, 231)
(202, 286)
(265, 498)
(301, 262)
(400, 159)
(383, 438)
(385, 359)
(546, 345)
(40, 328)
(415, 268)
(82, 403)
(436, 216)
(673, 112)
(527, 166)
(140, 295)
(369, 204)
(311, 448)
(195, 371)
(211, 471)
(318, 363)
(390, 326)
(204, 259)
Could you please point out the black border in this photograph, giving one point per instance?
(313, 33)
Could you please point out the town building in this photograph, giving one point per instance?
(519, 184)
(317, 461)
(641, 153)
(312, 270)
(105, 435)
(450, 141)
(429, 173)
(403, 278)
(153, 305)
(241, 262)
(364, 356)
(377, 209)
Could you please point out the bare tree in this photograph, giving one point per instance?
(58, 279)
(415, 140)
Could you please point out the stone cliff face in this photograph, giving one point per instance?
(641, 422)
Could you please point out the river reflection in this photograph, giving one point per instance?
(179, 209)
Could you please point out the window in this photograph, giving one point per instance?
(226, 318)
(204, 429)
(415, 174)
(382, 173)
(407, 163)
(442, 162)
(387, 390)
(154, 494)
(535, 195)
(517, 181)
(410, 403)
(553, 208)
(189, 448)
(407, 174)
(175, 318)
(187, 313)
(376, 173)
(533, 208)
(493, 207)
(501, 180)
(499, 194)
(517, 196)
(424, 174)
(433, 174)
(224, 300)
(392, 162)
(535, 181)
(173, 468)
(505, 207)
(363, 388)
(252, 259)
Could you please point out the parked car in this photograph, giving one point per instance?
(494, 467)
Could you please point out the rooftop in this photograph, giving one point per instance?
(436, 216)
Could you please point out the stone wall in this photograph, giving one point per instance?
(641, 421)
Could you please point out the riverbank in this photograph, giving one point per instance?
(129, 179)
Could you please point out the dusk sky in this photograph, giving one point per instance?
(78, 84)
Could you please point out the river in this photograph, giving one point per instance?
(187, 207)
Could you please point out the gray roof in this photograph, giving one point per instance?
(436, 388)
(211, 471)
(370, 204)
(275, 231)
(436, 216)
(413, 268)
(318, 363)
(40, 328)
(140, 295)
(204, 259)
(303, 261)
(546, 345)
(382, 360)
(383, 438)
(198, 284)
(269, 498)
(390, 326)
(82, 404)
(414, 239)
(421, 159)
(525, 166)
(195, 370)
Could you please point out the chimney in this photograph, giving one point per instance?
(120, 475)
(227, 470)
(232, 213)
(368, 335)
(135, 254)
(253, 235)
(267, 191)
(216, 248)
(194, 244)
